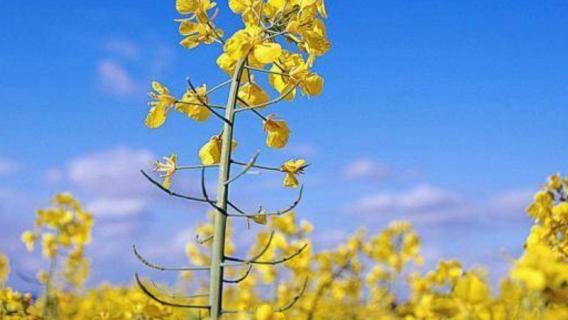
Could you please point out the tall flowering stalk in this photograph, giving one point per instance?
(280, 40)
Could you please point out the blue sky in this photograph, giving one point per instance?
(447, 113)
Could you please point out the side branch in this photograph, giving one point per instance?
(246, 168)
(166, 303)
(273, 101)
(206, 196)
(295, 298)
(256, 166)
(168, 191)
(272, 262)
(217, 114)
(275, 213)
(241, 278)
(161, 268)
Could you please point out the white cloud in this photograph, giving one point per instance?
(112, 177)
(511, 202)
(112, 173)
(366, 168)
(115, 79)
(417, 200)
(54, 175)
(117, 207)
(123, 48)
(8, 166)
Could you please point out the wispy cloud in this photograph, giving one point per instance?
(117, 207)
(113, 179)
(122, 48)
(114, 79)
(417, 200)
(9, 166)
(364, 168)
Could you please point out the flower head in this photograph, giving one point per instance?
(295, 73)
(192, 104)
(167, 168)
(292, 168)
(29, 238)
(277, 133)
(161, 105)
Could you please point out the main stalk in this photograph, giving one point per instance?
(220, 223)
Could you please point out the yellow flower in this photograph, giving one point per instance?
(277, 133)
(265, 312)
(4, 268)
(198, 8)
(471, 288)
(248, 9)
(196, 33)
(292, 168)
(49, 245)
(295, 73)
(193, 106)
(251, 40)
(168, 167)
(252, 94)
(210, 153)
(28, 238)
(160, 107)
(261, 217)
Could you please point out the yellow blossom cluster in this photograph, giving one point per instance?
(376, 276)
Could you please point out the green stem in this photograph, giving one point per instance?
(220, 224)
(48, 285)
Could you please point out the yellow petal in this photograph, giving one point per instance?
(156, 116)
(277, 133)
(187, 27)
(253, 95)
(290, 181)
(267, 52)
(186, 6)
(260, 219)
(160, 88)
(167, 181)
(313, 85)
(237, 6)
(210, 153)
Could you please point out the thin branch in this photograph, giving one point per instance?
(253, 110)
(168, 191)
(267, 71)
(276, 213)
(157, 267)
(206, 196)
(213, 106)
(202, 241)
(219, 86)
(236, 311)
(164, 291)
(273, 101)
(290, 257)
(197, 166)
(166, 303)
(295, 298)
(239, 210)
(257, 166)
(241, 278)
(217, 114)
(246, 168)
(217, 35)
(272, 262)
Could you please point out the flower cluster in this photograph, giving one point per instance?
(374, 276)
